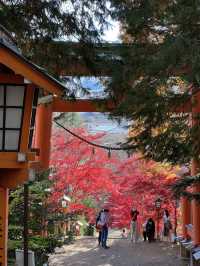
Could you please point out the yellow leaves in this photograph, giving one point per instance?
(160, 130)
(171, 176)
(161, 90)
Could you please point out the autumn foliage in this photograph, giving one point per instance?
(94, 181)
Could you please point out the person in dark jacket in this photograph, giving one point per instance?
(150, 230)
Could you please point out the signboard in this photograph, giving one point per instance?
(196, 255)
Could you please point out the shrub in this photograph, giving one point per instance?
(15, 232)
(41, 247)
(89, 231)
(12, 246)
(70, 237)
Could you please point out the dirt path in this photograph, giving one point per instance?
(84, 252)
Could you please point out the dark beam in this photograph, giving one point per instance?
(66, 58)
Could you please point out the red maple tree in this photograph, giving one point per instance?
(140, 183)
(84, 175)
(94, 181)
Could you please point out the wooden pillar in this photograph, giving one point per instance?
(26, 217)
(3, 225)
(186, 213)
(43, 133)
(195, 167)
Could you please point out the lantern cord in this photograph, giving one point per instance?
(109, 148)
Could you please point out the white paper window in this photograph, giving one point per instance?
(1, 95)
(1, 139)
(1, 117)
(13, 117)
(11, 139)
(14, 95)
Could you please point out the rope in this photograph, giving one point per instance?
(109, 148)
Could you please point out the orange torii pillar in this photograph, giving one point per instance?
(186, 215)
(196, 169)
(43, 133)
(44, 121)
(3, 225)
(196, 206)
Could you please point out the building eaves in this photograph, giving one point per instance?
(33, 66)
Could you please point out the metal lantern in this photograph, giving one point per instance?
(11, 116)
(158, 203)
(64, 204)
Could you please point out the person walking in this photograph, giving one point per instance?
(167, 225)
(133, 226)
(124, 234)
(104, 221)
(150, 230)
(99, 227)
(144, 231)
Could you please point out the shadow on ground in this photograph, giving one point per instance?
(122, 253)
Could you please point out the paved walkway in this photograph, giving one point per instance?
(84, 252)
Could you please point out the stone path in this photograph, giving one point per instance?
(84, 252)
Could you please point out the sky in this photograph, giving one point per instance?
(98, 122)
(112, 34)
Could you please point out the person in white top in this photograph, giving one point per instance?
(167, 225)
(133, 225)
(144, 231)
(104, 221)
(124, 235)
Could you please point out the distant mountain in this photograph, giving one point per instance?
(114, 133)
(99, 122)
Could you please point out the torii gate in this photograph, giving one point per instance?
(190, 211)
(42, 142)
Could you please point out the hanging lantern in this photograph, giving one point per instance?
(93, 151)
(158, 202)
(109, 153)
(128, 154)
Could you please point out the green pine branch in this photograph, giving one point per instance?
(180, 187)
